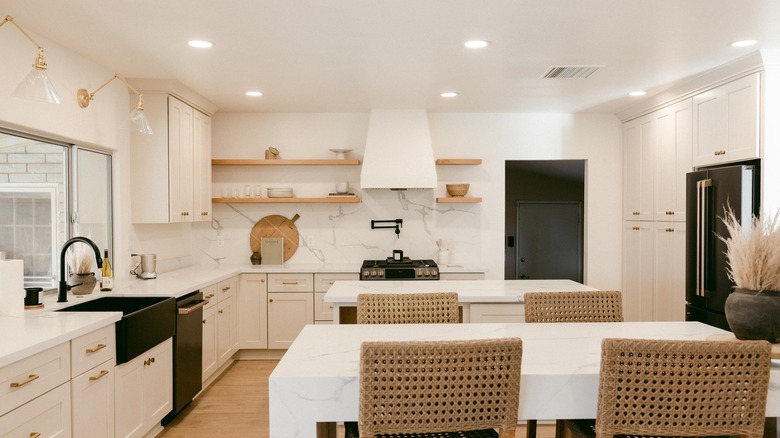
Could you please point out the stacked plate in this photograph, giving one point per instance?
(280, 192)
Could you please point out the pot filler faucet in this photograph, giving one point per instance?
(398, 223)
(62, 296)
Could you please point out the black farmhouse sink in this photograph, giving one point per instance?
(146, 321)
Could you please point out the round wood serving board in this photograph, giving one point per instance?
(276, 226)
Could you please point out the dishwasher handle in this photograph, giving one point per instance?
(192, 308)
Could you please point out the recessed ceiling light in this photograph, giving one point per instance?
(744, 43)
(449, 94)
(254, 93)
(637, 93)
(201, 44)
(476, 44)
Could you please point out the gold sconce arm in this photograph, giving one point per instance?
(10, 19)
(36, 85)
(84, 97)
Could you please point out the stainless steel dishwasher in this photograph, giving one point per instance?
(187, 351)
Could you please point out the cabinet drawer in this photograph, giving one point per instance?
(210, 295)
(47, 415)
(290, 283)
(92, 349)
(30, 377)
(322, 311)
(227, 288)
(323, 281)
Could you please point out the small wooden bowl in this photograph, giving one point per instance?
(457, 190)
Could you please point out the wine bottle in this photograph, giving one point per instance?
(107, 280)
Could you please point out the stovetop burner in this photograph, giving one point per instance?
(404, 269)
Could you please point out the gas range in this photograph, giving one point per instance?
(403, 269)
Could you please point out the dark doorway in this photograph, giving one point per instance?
(544, 219)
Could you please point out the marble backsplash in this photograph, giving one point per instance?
(342, 234)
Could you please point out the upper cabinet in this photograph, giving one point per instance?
(171, 168)
(726, 122)
(673, 160)
(639, 146)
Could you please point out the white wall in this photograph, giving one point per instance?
(340, 233)
(104, 125)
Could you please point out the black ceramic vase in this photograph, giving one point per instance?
(754, 315)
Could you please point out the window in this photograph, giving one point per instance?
(41, 205)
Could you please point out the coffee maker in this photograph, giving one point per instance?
(146, 269)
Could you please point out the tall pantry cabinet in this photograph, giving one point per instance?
(172, 167)
(657, 155)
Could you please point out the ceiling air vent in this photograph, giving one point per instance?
(571, 71)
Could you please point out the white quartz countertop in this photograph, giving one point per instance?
(35, 331)
(469, 291)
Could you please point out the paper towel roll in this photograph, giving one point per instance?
(11, 286)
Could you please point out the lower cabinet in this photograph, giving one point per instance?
(288, 313)
(46, 416)
(93, 402)
(144, 391)
(252, 311)
(220, 325)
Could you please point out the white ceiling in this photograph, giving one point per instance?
(354, 55)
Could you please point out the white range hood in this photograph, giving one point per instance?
(398, 152)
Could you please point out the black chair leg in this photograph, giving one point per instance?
(530, 429)
(560, 428)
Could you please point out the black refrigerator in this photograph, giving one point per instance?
(708, 191)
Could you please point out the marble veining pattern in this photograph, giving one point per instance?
(317, 379)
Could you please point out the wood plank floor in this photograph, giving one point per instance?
(237, 405)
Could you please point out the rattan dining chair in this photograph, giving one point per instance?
(413, 308)
(463, 388)
(595, 306)
(574, 306)
(680, 388)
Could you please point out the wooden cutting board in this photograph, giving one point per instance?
(276, 226)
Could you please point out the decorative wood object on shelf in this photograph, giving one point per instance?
(325, 200)
(458, 200)
(279, 162)
(459, 161)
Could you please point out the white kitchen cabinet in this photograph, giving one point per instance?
(288, 313)
(323, 312)
(227, 330)
(669, 271)
(93, 402)
(726, 122)
(209, 362)
(46, 416)
(32, 376)
(170, 177)
(674, 158)
(638, 257)
(220, 325)
(92, 383)
(144, 391)
(639, 148)
(493, 312)
(253, 312)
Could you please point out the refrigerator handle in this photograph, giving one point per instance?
(702, 209)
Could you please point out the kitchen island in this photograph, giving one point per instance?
(480, 300)
(317, 381)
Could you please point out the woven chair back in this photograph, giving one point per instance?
(439, 386)
(415, 308)
(596, 306)
(687, 388)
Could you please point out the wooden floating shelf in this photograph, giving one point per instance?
(459, 161)
(325, 200)
(458, 200)
(315, 162)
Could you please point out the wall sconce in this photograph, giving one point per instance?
(137, 116)
(36, 85)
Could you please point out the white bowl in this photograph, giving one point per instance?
(341, 153)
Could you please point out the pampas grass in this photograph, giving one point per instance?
(753, 251)
(80, 257)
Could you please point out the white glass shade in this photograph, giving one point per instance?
(140, 122)
(37, 86)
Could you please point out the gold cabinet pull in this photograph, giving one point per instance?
(29, 379)
(289, 282)
(97, 348)
(35, 434)
(635, 228)
(271, 300)
(226, 288)
(103, 373)
(219, 311)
